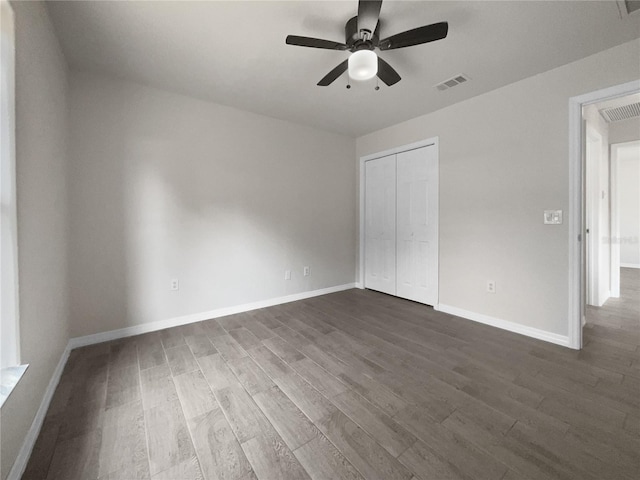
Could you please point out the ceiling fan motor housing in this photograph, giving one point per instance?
(353, 38)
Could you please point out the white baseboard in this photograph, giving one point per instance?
(601, 299)
(506, 325)
(359, 285)
(630, 265)
(198, 317)
(29, 442)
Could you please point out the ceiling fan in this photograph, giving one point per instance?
(362, 38)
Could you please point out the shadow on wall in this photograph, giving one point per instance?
(198, 226)
(166, 187)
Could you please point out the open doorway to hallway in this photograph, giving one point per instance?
(611, 202)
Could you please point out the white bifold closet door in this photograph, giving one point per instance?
(401, 224)
(380, 224)
(416, 225)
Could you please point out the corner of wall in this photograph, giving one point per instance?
(42, 87)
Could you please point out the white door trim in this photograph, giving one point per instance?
(363, 159)
(576, 265)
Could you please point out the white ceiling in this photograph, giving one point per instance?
(234, 52)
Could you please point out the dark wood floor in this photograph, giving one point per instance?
(346, 386)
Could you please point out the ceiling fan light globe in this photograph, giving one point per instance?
(363, 65)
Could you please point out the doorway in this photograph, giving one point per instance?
(591, 257)
(625, 207)
(620, 314)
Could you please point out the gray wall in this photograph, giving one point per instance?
(165, 186)
(503, 161)
(41, 126)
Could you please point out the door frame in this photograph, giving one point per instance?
(576, 277)
(392, 151)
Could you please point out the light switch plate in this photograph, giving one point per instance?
(553, 217)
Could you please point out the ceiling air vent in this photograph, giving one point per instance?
(627, 7)
(623, 112)
(632, 5)
(452, 82)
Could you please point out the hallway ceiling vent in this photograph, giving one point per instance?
(623, 112)
(452, 82)
(628, 7)
(632, 5)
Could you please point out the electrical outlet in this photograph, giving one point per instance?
(175, 284)
(287, 274)
(306, 271)
(491, 286)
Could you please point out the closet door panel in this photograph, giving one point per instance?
(417, 254)
(380, 224)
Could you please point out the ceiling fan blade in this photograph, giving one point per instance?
(333, 74)
(368, 14)
(386, 73)
(315, 43)
(417, 36)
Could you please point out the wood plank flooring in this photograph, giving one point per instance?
(350, 385)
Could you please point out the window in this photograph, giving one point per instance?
(10, 370)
